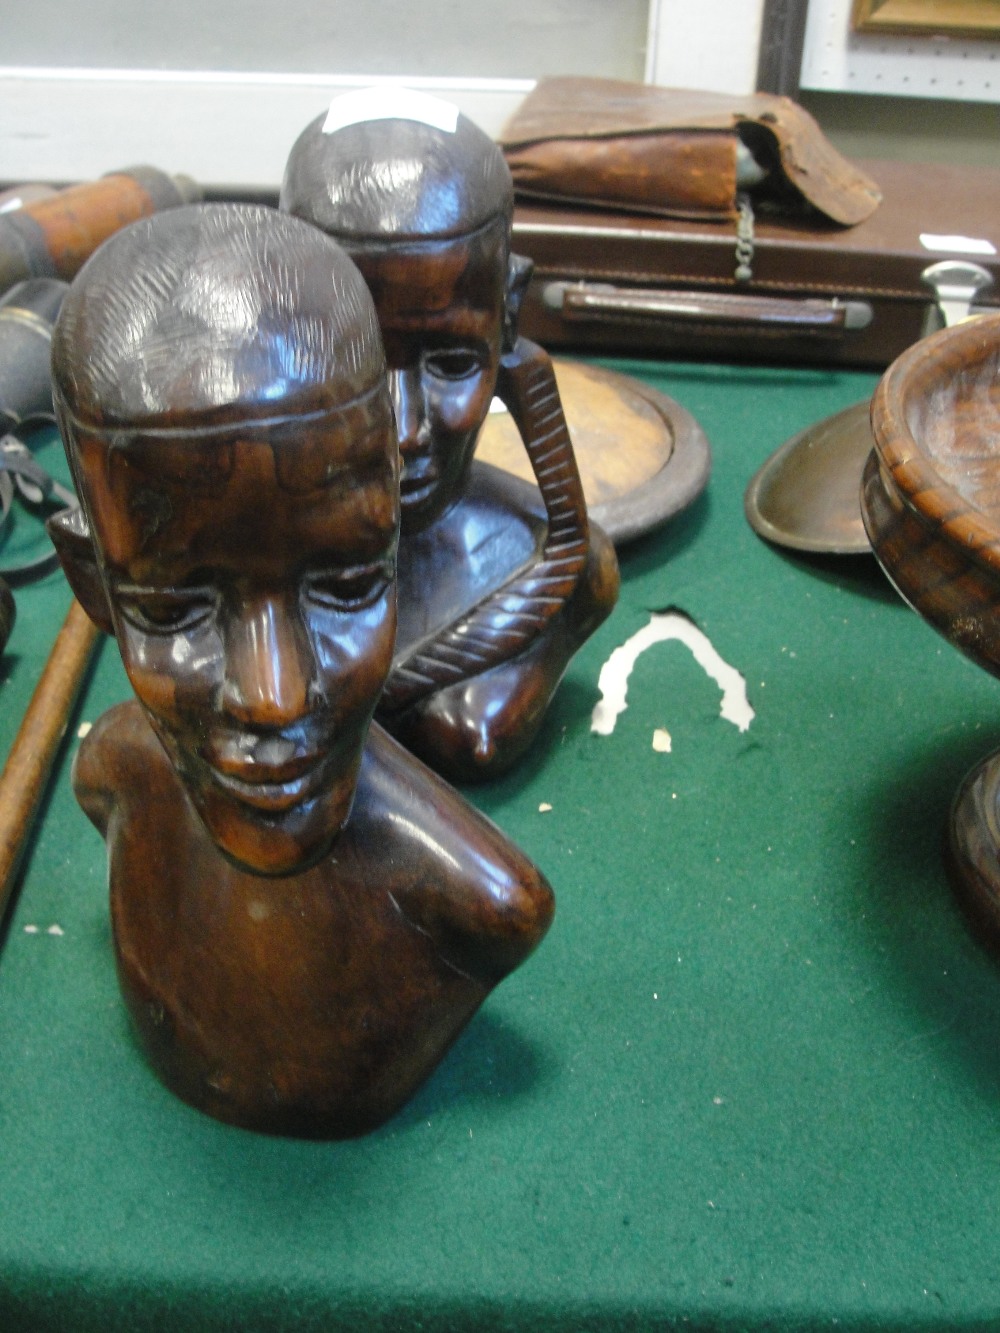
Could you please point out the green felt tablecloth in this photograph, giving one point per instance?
(751, 1078)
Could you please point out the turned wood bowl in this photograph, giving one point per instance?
(931, 489)
(930, 498)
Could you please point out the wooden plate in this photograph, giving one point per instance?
(642, 457)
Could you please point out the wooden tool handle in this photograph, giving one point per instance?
(22, 783)
(53, 237)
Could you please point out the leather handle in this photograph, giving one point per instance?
(583, 302)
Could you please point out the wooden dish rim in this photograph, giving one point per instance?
(674, 486)
(906, 466)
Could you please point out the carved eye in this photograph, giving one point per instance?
(350, 589)
(166, 612)
(453, 363)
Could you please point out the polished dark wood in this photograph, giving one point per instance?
(496, 591)
(931, 505)
(304, 916)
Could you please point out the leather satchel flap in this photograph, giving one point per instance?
(567, 124)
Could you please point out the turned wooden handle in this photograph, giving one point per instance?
(53, 237)
(23, 781)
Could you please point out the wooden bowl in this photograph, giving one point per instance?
(931, 489)
(930, 499)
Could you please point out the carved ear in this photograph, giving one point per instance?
(71, 538)
(519, 271)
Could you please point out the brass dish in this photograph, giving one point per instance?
(806, 495)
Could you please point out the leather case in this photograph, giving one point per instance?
(675, 151)
(817, 293)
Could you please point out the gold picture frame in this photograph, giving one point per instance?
(928, 18)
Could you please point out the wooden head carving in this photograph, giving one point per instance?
(304, 916)
(425, 213)
(498, 587)
(221, 389)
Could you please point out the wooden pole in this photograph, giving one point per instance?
(24, 778)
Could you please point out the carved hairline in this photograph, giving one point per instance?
(354, 243)
(363, 402)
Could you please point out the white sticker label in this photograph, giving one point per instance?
(390, 103)
(956, 245)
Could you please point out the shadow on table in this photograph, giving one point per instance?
(860, 574)
(492, 1062)
(920, 938)
(656, 549)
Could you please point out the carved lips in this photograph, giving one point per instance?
(274, 787)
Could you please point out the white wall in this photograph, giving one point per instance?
(234, 126)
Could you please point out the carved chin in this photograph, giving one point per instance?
(277, 828)
(274, 844)
(421, 505)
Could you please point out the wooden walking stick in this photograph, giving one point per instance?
(25, 775)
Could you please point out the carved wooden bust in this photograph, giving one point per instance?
(496, 590)
(304, 916)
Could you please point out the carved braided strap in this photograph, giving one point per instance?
(505, 622)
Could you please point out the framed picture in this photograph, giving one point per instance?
(928, 18)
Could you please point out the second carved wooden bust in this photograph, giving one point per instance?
(304, 916)
(497, 589)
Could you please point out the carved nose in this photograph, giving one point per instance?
(408, 404)
(269, 666)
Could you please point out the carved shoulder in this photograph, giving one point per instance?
(116, 752)
(451, 872)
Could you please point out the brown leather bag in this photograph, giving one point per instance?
(676, 152)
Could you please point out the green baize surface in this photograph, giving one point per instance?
(750, 1079)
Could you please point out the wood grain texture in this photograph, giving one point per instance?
(642, 456)
(931, 490)
(304, 916)
(931, 505)
(489, 616)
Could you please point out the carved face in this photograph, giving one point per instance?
(440, 307)
(250, 577)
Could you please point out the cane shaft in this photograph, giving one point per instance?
(23, 781)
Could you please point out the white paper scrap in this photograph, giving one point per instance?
(957, 245)
(663, 626)
(662, 741)
(390, 103)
